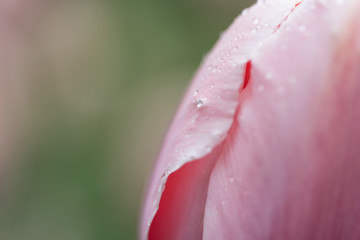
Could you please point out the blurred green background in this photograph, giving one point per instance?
(99, 83)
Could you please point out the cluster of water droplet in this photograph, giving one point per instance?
(199, 102)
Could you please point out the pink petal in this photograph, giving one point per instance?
(199, 130)
(290, 166)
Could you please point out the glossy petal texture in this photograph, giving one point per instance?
(276, 159)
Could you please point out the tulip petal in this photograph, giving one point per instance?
(175, 202)
(290, 166)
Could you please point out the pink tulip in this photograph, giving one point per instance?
(266, 143)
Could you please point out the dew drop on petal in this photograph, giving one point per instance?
(256, 21)
(216, 132)
(268, 76)
(213, 68)
(261, 88)
(339, 2)
(280, 90)
(199, 103)
(302, 28)
(208, 149)
(292, 79)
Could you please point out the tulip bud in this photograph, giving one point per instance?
(266, 142)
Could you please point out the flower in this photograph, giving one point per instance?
(266, 143)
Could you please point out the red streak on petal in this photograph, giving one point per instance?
(296, 5)
(247, 74)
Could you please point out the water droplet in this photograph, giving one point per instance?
(245, 12)
(292, 79)
(261, 88)
(214, 68)
(212, 85)
(216, 132)
(235, 49)
(339, 2)
(283, 47)
(280, 90)
(302, 28)
(208, 149)
(263, 2)
(232, 179)
(199, 103)
(256, 21)
(254, 30)
(269, 76)
(196, 92)
(243, 60)
(196, 115)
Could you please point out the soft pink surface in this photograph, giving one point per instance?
(280, 158)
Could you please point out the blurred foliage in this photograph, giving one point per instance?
(105, 80)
